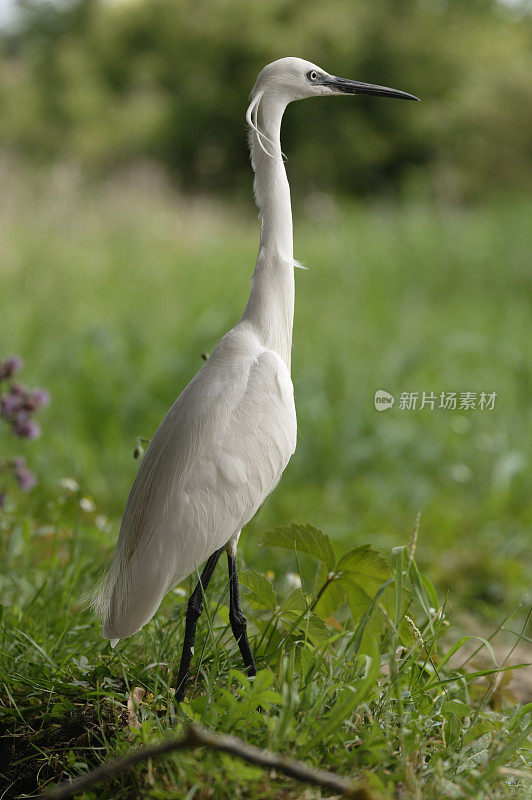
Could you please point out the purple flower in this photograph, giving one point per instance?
(9, 404)
(17, 389)
(25, 427)
(25, 478)
(36, 399)
(9, 367)
(17, 407)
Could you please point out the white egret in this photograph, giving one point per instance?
(225, 442)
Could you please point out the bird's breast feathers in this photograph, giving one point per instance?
(216, 456)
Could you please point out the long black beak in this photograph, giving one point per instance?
(345, 86)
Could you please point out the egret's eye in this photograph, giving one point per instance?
(312, 76)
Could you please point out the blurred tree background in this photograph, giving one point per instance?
(105, 84)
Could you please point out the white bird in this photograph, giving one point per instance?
(223, 445)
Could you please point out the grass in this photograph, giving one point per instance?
(111, 294)
(376, 689)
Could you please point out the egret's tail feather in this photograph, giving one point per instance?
(129, 593)
(99, 599)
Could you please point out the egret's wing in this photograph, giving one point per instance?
(218, 453)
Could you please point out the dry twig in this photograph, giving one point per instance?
(196, 736)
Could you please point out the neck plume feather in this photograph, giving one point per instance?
(271, 304)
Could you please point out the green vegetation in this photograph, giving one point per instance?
(369, 693)
(106, 84)
(111, 296)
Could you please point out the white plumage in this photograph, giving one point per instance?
(225, 442)
(216, 456)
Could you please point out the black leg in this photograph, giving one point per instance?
(194, 609)
(236, 617)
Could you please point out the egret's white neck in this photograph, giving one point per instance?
(271, 304)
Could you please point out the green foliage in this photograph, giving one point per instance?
(356, 578)
(107, 84)
(261, 593)
(295, 612)
(305, 539)
(374, 714)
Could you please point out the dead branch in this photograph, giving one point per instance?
(196, 736)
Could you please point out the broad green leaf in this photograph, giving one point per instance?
(303, 539)
(263, 679)
(295, 613)
(294, 601)
(366, 568)
(249, 693)
(359, 575)
(260, 592)
(366, 563)
(239, 677)
(333, 596)
(455, 707)
(309, 624)
(358, 599)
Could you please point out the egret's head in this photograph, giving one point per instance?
(290, 79)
